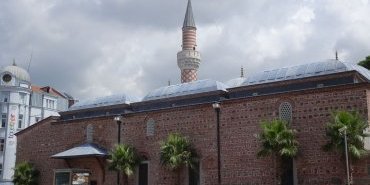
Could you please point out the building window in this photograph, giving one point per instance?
(20, 121)
(285, 112)
(62, 178)
(2, 143)
(5, 96)
(71, 176)
(3, 120)
(50, 104)
(37, 119)
(23, 98)
(89, 133)
(1, 169)
(150, 125)
(143, 173)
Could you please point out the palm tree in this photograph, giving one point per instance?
(124, 158)
(177, 152)
(278, 140)
(25, 174)
(355, 133)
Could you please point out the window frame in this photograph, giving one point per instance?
(71, 172)
(23, 98)
(20, 121)
(2, 145)
(4, 120)
(50, 104)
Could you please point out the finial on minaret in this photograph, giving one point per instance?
(242, 72)
(14, 64)
(336, 55)
(189, 59)
(169, 82)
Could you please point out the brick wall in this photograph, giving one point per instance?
(240, 121)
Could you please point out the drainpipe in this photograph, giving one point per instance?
(118, 120)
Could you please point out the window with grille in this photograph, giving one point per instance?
(285, 112)
(150, 125)
(89, 133)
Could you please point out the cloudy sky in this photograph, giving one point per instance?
(92, 48)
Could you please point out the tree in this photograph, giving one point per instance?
(25, 174)
(277, 140)
(176, 152)
(124, 158)
(355, 133)
(365, 63)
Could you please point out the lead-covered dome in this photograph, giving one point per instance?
(18, 72)
(115, 99)
(298, 72)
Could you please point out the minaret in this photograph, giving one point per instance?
(188, 59)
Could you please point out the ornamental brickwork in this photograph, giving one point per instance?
(188, 75)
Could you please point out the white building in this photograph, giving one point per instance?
(22, 104)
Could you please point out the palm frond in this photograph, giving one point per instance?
(356, 134)
(177, 151)
(25, 174)
(276, 137)
(123, 158)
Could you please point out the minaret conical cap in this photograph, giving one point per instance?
(189, 19)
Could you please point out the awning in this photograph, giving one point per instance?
(84, 150)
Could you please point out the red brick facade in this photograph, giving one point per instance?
(240, 122)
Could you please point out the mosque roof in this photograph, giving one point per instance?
(18, 72)
(104, 101)
(299, 71)
(189, 18)
(202, 86)
(236, 82)
(183, 89)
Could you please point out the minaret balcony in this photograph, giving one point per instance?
(188, 59)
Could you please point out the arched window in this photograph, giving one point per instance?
(89, 133)
(150, 126)
(285, 112)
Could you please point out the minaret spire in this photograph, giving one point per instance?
(189, 59)
(189, 18)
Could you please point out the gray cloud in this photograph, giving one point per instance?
(94, 48)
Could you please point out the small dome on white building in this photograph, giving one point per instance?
(18, 72)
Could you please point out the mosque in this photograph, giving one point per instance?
(22, 104)
(220, 119)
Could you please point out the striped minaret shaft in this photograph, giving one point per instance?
(189, 59)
